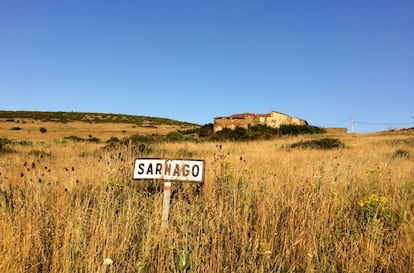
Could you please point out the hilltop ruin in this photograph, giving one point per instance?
(273, 119)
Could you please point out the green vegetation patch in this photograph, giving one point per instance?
(79, 139)
(257, 132)
(400, 153)
(4, 142)
(5, 145)
(320, 144)
(290, 129)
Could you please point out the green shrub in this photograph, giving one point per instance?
(23, 143)
(73, 138)
(206, 130)
(175, 136)
(16, 128)
(321, 144)
(113, 140)
(264, 132)
(3, 148)
(4, 142)
(401, 154)
(94, 140)
(239, 133)
(259, 130)
(43, 130)
(290, 129)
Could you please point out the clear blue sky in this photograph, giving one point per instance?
(191, 60)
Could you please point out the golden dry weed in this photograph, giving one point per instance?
(264, 207)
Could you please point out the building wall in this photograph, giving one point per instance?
(336, 130)
(273, 119)
(231, 122)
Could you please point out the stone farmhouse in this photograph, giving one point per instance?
(273, 119)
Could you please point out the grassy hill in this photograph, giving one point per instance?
(52, 126)
(90, 117)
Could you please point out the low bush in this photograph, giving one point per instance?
(94, 139)
(321, 144)
(290, 129)
(175, 136)
(113, 140)
(206, 130)
(264, 132)
(3, 143)
(79, 139)
(73, 138)
(400, 153)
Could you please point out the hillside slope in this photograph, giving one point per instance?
(52, 126)
(90, 117)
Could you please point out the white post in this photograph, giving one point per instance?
(165, 205)
(352, 125)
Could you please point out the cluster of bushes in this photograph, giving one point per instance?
(16, 128)
(79, 139)
(320, 144)
(400, 153)
(206, 133)
(264, 132)
(5, 141)
(5, 144)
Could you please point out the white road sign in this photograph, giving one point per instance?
(169, 169)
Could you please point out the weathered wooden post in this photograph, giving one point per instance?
(168, 170)
(166, 205)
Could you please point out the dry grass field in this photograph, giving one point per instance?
(70, 206)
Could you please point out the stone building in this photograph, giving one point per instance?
(336, 130)
(273, 119)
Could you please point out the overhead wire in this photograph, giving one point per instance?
(339, 122)
(385, 124)
(369, 123)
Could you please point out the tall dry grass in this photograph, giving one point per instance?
(264, 207)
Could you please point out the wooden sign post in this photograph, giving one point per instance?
(168, 170)
(165, 205)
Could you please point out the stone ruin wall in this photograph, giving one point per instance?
(336, 130)
(231, 122)
(273, 119)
